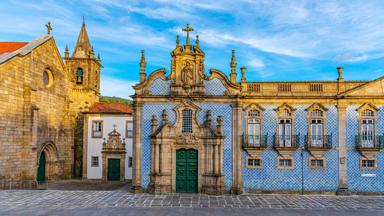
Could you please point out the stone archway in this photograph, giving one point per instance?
(49, 155)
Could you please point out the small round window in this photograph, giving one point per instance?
(47, 78)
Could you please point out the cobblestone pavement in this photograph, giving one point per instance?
(59, 202)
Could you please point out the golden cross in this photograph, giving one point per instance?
(49, 27)
(188, 29)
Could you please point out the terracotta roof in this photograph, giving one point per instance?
(6, 47)
(104, 107)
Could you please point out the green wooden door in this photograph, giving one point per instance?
(186, 171)
(114, 169)
(41, 168)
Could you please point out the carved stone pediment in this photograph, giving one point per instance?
(114, 143)
(187, 139)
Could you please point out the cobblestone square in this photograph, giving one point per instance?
(121, 202)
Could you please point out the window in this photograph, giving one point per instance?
(285, 163)
(368, 164)
(253, 163)
(254, 128)
(316, 163)
(47, 78)
(95, 161)
(97, 129)
(129, 131)
(367, 126)
(79, 76)
(367, 133)
(130, 162)
(187, 121)
(316, 126)
(285, 133)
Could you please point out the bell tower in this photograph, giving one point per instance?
(84, 69)
(84, 73)
(187, 67)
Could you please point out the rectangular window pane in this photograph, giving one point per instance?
(129, 127)
(187, 121)
(95, 161)
(130, 162)
(97, 129)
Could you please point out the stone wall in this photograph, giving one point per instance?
(32, 115)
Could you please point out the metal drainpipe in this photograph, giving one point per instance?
(302, 170)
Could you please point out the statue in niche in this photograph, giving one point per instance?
(187, 74)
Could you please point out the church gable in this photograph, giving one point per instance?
(187, 75)
(373, 88)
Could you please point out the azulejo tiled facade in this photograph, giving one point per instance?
(307, 136)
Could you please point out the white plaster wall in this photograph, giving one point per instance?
(95, 145)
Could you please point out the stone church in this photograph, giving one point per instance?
(42, 95)
(199, 131)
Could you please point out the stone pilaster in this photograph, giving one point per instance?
(237, 183)
(136, 147)
(342, 135)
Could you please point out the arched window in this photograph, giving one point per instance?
(187, 121)
(79, 76)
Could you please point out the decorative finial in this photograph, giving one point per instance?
(164, 117)
(197, 41)
(143, 64)
(340, 72)
(66, 53)
(98, 57)
(114, 127)
(220, 124)
(188, 29)
(83, 21)
(243, 69)
(208, 117)
(233, 65)
(49, 27)
(154, 123)
(177, 40)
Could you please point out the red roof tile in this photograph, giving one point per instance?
(104, 107)
(6, 47)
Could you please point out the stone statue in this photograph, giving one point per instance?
(187, 74)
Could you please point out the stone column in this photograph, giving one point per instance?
(136, 147)
(342, 135)
(237, 182)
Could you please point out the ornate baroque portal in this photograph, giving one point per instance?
(167, 139)
(113, 151)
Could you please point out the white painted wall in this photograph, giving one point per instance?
(95, 145)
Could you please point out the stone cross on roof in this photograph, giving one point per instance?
(188, 29)
(49, 27)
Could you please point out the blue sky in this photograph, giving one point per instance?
(275, 40)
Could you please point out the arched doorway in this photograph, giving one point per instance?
(41, 168)
(48, 167)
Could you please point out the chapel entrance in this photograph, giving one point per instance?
(113, 169)
(41, 168)
(186, 171)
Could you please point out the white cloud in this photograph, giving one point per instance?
(117, 87)
(256, 63)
